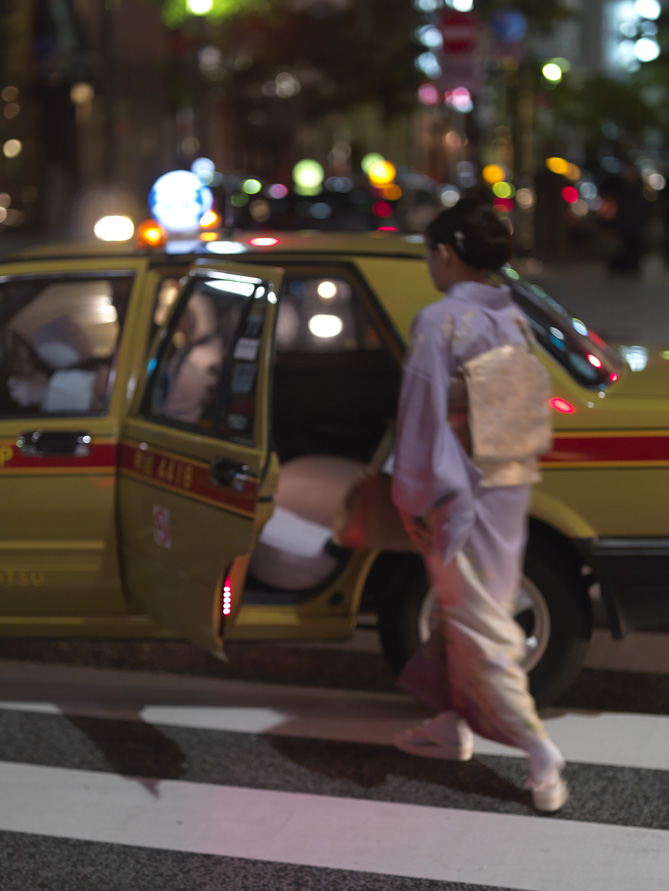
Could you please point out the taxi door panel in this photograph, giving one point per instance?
(61, 334)
(195, 453)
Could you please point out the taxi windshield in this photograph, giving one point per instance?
(587, 358)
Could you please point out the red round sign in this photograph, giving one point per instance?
(459, 31)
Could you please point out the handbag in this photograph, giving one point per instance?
(368, 518)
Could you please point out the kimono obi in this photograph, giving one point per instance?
(499, 409)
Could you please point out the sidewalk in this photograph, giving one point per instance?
(624, 308)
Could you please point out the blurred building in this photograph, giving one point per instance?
(100, 97)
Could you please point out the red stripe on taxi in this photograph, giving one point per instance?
(101, 456)
(186, 477)
(605, 449)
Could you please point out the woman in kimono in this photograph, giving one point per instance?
(473, 416)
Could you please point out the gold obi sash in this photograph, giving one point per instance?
(499, 409)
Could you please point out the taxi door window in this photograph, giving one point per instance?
(335, 381)
(205, 373)
(59, 338)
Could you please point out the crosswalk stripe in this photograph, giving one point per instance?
(335, 833)
(615, 739)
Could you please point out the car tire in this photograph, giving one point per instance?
(553, 610)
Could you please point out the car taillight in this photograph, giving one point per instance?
(562, 405)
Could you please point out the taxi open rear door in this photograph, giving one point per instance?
(194, 488)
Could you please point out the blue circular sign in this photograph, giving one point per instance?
(178, 200)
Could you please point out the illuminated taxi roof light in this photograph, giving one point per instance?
(262, 241)
(150, 234)
(209, 219)
(114, 228)
(562, 405)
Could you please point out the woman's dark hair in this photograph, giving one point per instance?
(476, 234)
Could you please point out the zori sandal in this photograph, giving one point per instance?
(549, 799)
(426, 742)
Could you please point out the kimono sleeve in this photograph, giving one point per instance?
(432, 476)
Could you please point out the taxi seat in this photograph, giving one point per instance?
(59, 372)
(294, 552)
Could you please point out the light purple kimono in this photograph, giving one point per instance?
(471, 663)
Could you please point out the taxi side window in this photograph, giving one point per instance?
(58, 343)
(205, 373)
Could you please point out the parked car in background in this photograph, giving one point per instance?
(179, 427)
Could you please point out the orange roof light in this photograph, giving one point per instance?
(150, 234)
(210, 219)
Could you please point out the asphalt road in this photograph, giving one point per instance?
(149, 765)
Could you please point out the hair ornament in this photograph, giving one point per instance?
(459, 239)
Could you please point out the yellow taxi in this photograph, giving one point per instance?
(179, 427)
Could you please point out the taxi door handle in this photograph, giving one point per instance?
(230, 474)
(54, 444)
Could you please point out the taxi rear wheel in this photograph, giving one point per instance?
(552, 609)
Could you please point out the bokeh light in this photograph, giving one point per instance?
(570, 194)
(505, 205)
(369, 160)
(251, 186)
(12, 148)
(325, 325)
(327, 290)
(308, 176)
(449, 196)
(552, 72)
(382, 173)
(526, 198)
(646, 49)
(428, 94)
(493, 173)
(277, 191)
(557, 165)
(459, 99)
(382, 209)
(114, 228)
(503, 190)
(199, 7)
(204, 169)
(648, 9)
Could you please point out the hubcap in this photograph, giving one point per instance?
(530, 612)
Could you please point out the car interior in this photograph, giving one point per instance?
(335, 389)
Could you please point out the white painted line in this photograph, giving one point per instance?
(616, 739)
(336, 833)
